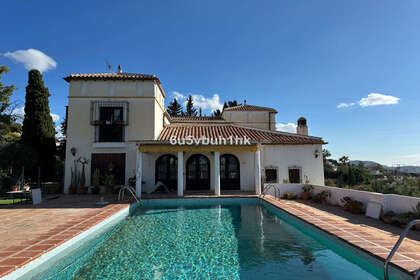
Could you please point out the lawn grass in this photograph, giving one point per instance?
(11, 201)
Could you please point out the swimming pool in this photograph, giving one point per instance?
(215, 239)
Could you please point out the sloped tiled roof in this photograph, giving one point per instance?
(214, 131)
(246, 107)
(111, 76)
(197, 119)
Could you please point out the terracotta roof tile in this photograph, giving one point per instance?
(225, 130)
(111, 76)
(196, 119)
(246, 107)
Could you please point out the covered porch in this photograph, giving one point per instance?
(202, 169)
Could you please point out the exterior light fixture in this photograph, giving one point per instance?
(73, 151)
(317, 153)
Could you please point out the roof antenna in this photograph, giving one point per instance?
(108, 65)
(119, 69)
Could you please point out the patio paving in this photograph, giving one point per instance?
(369, 235)
(28, 231)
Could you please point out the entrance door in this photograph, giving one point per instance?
(229, 172)
(198, 173)
(166, 171)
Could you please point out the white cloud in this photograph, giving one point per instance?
(179, 96)
(289, 127)
(32, 59)
(205, 103)
(20, 112)
(345, 105)
(55, 117)
(199, 100)
(375, 99)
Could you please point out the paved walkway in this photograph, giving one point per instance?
(26, 231)
(369, 235)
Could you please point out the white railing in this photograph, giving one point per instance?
(130, 190)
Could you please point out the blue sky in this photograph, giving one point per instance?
(303, 58)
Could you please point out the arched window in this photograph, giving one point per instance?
(198, 172)
(166, 171)
(229, 172)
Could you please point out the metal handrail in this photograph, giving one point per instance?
(394, 249)
(122, 191)
(263, 193)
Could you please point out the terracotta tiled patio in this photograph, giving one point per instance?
(26, 232)
(369, 235)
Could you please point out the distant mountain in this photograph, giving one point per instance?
(366, 163)
(406, 168)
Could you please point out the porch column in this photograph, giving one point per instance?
(257, 172)
(216, 173)
(180, 173)
(139, 174)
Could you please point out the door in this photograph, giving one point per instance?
(166, 171)
(198, 173)
(229, 172)
(111, 164)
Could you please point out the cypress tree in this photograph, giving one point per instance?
(38, 133)
(174, 109)
(190, 110)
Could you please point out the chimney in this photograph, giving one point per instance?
(119, 69)
(302, 128)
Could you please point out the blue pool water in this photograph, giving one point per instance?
(235, 239)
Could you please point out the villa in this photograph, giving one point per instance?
(118, 122)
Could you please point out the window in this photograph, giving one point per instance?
(271, 175)
(110, 118)
(110, 125)
(294, 176)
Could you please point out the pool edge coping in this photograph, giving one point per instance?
(378, 257)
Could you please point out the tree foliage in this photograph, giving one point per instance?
(38, 131)
(189, 108)
(174, 109)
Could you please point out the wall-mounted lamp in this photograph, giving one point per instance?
(73, 151)
(317, 153)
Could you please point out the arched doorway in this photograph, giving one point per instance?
(229, 172)
(166, 171)
(198, 172)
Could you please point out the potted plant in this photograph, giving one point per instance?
(96, 181)
(388, 217)
(321, 197)
(404, 218)
(98, 122)
(75, 179)
(352, 205)
(109, 183)
(306, 191)
(119, 122)
(289, 195)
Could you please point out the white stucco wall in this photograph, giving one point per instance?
(145, 105)
(296, 156)
(394, 202)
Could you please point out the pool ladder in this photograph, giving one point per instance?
(395, 248)
(269, 187)
(130, 190)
